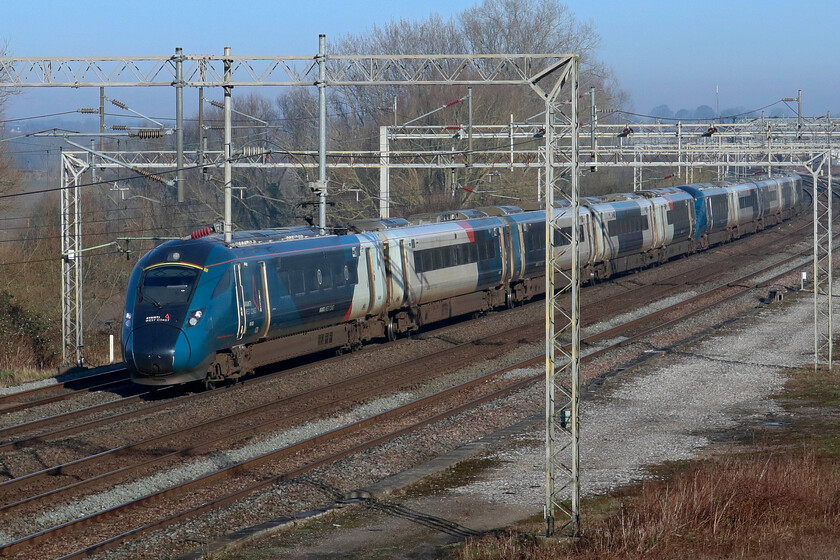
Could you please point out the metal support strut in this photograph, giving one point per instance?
(562, 272)
(823, 266)
(72, 337)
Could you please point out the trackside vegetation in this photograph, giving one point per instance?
(772, 494)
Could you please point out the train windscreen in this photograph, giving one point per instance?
(167, 285)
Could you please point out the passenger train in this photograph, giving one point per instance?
(202, 309)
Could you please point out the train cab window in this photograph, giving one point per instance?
(223, 284)
(167, 285)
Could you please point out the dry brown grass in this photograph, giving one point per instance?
(761, 505)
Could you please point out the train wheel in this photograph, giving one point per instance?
(390, 331)
(509, 303)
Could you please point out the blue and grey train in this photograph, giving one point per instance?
(202, 309)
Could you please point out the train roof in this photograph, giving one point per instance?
(376, 224)
(663, 191)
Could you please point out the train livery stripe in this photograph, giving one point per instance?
(190, 265)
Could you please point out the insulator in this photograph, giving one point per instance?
(146, 133)
(119, 104)
(88, 111)
(119, 127)
(149, 175)
(216, 127)
(203, 232)
(218, 104)
(249, 151)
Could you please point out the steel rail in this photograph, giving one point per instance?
(14, 484)
(67, 468)
(15, 397)
(285, 452)
(345, 430)
(69, 430)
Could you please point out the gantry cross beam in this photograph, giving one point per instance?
(342, 70)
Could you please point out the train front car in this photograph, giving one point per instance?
(164, 332)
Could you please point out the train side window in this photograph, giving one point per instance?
(223, 285)
(563, 237)
(438, 259)
(283, 277)
(537, 240)
(482, 251)
(747, 201)
(296, 284)
(338, 276)
(464, 253)
(311, 280)
(326, 280)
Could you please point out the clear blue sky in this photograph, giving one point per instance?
(662, 52)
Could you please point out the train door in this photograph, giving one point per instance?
(254, 315)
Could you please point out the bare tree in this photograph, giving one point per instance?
(490, 27)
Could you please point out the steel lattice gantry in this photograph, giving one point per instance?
(562, 339)
(823, 274)
(547, 74)
(72, 169)
(209, 70)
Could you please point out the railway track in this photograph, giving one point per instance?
(100, 379)
(252, 482)
(104, 379)
(82, 420)
(26, 501)
(781, 237)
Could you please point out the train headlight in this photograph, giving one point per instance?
(128, 320)
(195, 317)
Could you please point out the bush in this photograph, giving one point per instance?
(25, 337)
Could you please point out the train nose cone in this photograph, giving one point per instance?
(159, 349)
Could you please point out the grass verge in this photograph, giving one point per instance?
(774, 495)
